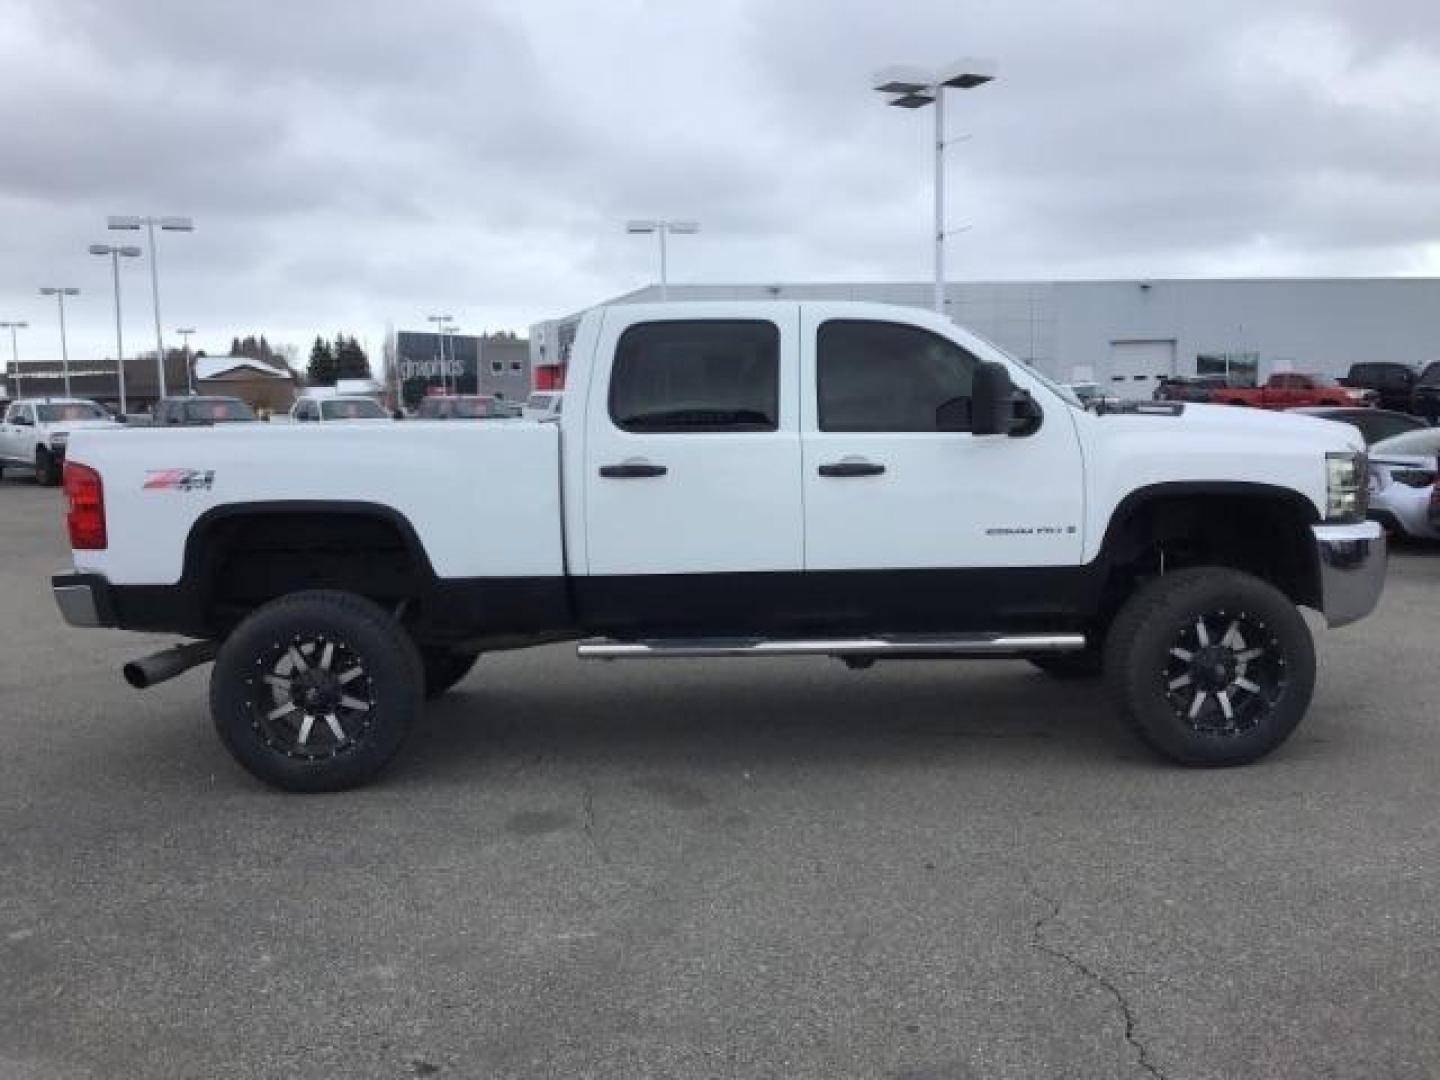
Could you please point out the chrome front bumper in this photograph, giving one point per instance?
(1352, 569)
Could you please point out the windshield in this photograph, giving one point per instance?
(219, 410)
(1431, 375)
(1423, 441)
(70, 410)
(352, 409)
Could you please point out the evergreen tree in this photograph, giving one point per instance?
(323, 370)
(350, 359)
(235, 347)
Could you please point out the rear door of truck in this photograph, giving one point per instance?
(692, 492)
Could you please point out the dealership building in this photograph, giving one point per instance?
(424, 362)
(1126, 334)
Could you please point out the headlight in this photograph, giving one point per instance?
(1346, 496)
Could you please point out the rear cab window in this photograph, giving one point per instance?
(697, 376)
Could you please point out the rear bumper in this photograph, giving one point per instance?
(1352, 562)
(84, 599)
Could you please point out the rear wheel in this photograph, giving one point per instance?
(316, 691)
(1210, 666)
(445, 667)
(47, 469)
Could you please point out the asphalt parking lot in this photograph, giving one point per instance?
(925, 871)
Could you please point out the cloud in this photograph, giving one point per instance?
(353, 163)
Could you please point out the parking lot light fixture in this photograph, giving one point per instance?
(440, 321)
(60, 292)
(662, 229)
(913, 88)
(166, 224)
(13, 327)
(116, 252)
(185, 332)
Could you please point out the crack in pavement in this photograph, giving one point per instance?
(1037, 941)
(587, 823)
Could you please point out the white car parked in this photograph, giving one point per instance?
(36, 432)
(1402, 483)
(544, 405)
(337, 409)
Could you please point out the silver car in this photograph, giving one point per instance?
(1402, 483)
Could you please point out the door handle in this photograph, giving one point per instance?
(632, 470)
(851, 468)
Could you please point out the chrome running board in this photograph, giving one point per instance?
(892, 646)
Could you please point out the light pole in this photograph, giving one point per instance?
(914, 88)
(60, 292)
(440, 321)
(116, 252)
(167, 224)
(662, 229)
(450, 331)
(14, 350)
(185, 332)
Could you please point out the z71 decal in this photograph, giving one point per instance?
(179, 479)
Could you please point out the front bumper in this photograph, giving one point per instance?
(84, 599)
(1352, 569)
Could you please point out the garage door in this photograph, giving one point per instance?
(1137, 366)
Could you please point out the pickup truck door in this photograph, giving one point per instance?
(691, 469)
(908, 527)
(12, 434)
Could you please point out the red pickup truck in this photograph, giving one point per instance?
(1290, 390)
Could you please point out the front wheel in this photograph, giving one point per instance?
(316, 691)
(1210, 666)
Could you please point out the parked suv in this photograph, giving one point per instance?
(1392, 382)
(36, 432)
(1189, 387)
(1425, 397)
(201, 412)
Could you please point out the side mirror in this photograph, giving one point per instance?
(992, 397)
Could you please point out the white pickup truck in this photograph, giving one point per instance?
(733, 480)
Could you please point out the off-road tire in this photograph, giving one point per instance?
(251, 682)
(1145, 657)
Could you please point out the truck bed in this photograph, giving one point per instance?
(482, 498)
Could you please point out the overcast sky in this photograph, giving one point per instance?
(352, 163)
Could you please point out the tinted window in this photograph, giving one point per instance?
(71, 410)
(701, 375)
(351, 409)
(1431, 375)
(1424, 441)
(877, 376)
(218, 410)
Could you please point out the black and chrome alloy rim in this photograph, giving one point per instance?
(311, 697)
(1224, 673)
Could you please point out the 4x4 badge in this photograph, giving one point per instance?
(179, 479)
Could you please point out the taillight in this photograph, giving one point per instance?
(85, 507)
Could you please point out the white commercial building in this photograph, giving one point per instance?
(1126, 334)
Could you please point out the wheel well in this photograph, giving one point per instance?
(241, 561)
(1265, 533)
